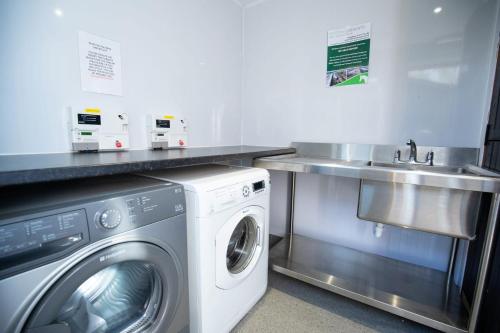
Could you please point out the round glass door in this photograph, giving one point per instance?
(242, 244)
(123, 297)
(127, 287)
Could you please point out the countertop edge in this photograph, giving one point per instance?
(20, 177)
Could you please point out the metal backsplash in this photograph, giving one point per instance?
(446, 156)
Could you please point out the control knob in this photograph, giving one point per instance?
(110, 218)
(246, 191)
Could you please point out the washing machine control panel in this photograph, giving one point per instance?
(41, 237)
(237, 193)
(124, 213)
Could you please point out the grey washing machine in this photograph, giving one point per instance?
(99, 255)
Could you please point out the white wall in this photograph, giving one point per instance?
(428, 73)
(177, 57)
(429, 80)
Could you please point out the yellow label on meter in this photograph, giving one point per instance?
(168, 117)
(94, 110)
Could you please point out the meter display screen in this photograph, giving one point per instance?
(85, 133)
(160, 123)
(89, 119)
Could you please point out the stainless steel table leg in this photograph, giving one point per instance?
(485, 260)
(451, 265)
(291, 211)
(292, 201)
(451, 268)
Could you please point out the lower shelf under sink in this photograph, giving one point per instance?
(414, 292)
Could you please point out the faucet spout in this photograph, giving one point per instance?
(413, 150)
(429, 160)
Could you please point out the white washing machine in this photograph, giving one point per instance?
(228, 229)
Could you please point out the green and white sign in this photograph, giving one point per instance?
(348, 55)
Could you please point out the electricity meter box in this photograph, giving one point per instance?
(98, 130)
(166, 131)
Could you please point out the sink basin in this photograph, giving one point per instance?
(439, 210)
(426, 168)
(437, 199)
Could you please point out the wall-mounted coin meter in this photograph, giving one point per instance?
(93, 129)
(166, 131)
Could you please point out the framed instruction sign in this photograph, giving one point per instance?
(348, 55)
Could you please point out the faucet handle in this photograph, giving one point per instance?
(397, 155)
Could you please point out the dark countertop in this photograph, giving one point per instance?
(33, 168)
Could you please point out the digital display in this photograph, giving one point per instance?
(89, 119)
(258, 186)
(160, 134)
(160, 123)
(85, 133)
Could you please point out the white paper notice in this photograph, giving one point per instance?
(100, 64)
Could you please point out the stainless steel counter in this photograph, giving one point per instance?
(469, 177)
(452, 185)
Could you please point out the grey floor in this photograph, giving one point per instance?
(292, 306)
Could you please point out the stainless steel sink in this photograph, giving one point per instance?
(445, 211)
(442, 198)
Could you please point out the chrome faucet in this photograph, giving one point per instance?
(429, 159)
(413, 151)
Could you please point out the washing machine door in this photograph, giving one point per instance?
(238, 246)
(129, 287)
